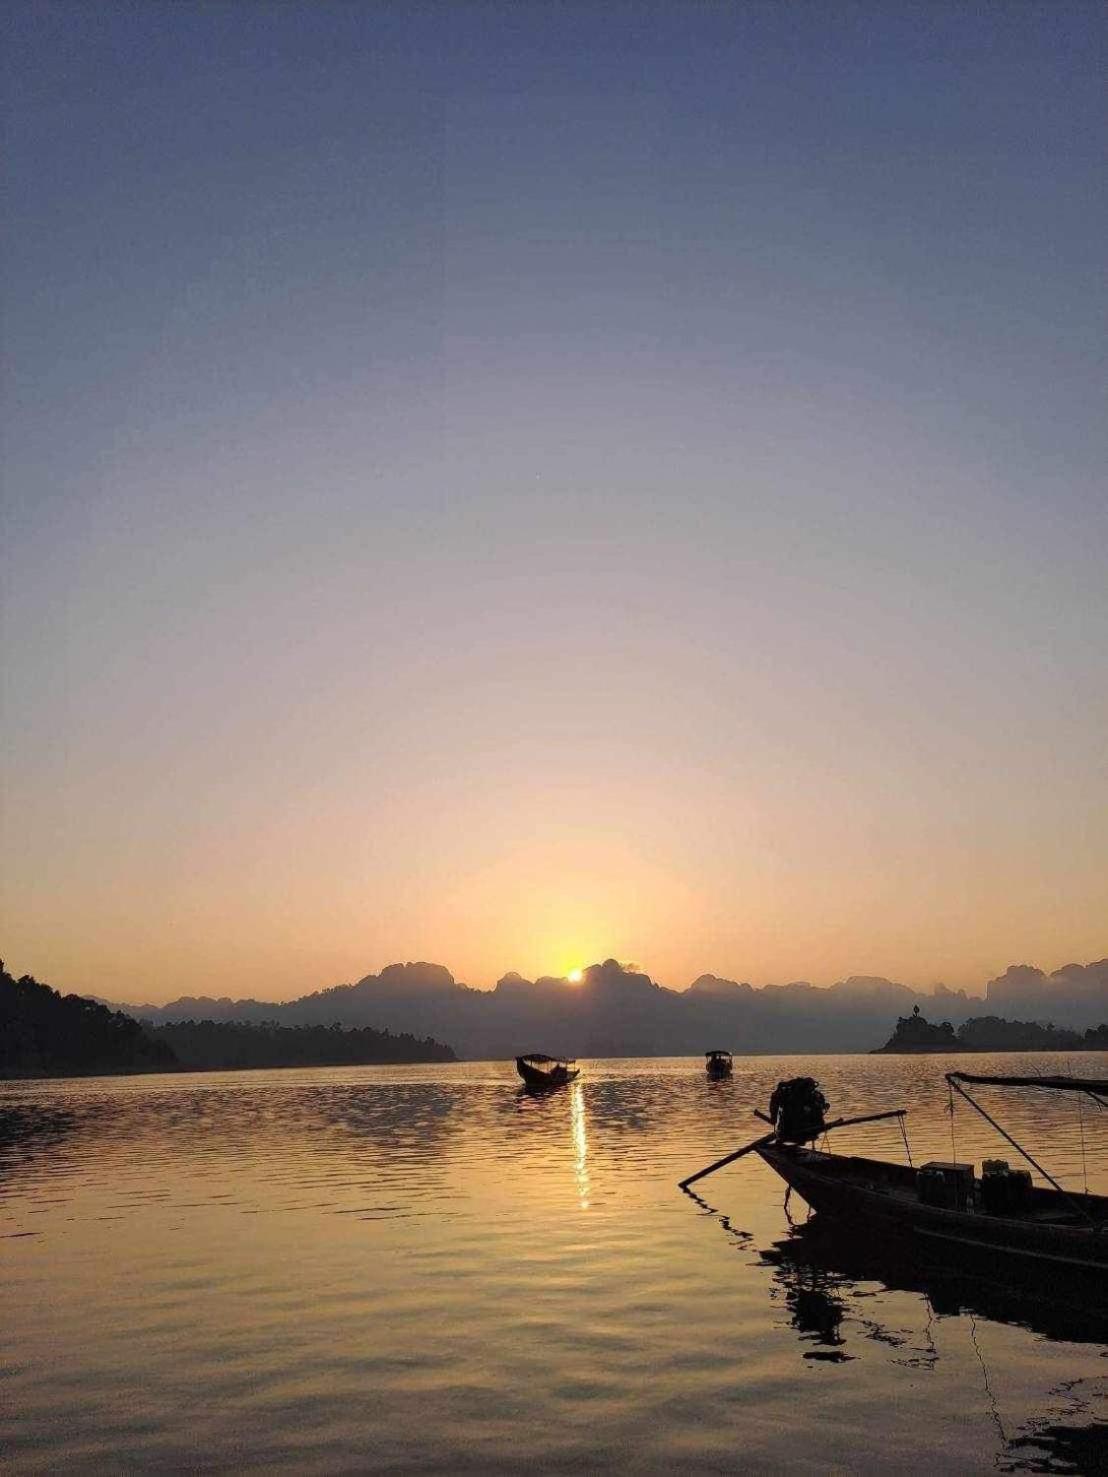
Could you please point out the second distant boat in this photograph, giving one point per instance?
(718, 1063)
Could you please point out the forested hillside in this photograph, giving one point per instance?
(47, 1034)
(232, 1045)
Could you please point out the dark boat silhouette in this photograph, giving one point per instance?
(540, 1071)
(718, 1063)
(948, 1210)
(942, 1209)
(885, 1200)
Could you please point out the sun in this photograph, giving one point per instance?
(575, 976)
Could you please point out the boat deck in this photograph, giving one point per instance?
(899, 1183)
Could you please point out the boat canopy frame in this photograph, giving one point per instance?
(1060, 1084)
(1095, 1087)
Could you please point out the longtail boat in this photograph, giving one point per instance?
(718, 1063)
(538, 1070)
(943, 1208)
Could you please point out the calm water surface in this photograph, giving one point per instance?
(424, 1269)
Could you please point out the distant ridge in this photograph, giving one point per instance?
(617, 1010)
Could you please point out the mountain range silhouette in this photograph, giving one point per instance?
(616, 1010)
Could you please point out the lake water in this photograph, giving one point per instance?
(423, 1269)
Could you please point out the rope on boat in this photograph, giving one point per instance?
(907, 1145)
(1081, 1209)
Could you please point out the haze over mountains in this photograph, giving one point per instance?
(616, 1010)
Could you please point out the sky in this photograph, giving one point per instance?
(513, 485)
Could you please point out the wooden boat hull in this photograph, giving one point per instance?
(877, 1200)
(537, 1078)
(718, 1072)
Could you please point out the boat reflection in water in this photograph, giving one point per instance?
(824, 1262)
(829, 1281)
(833, 1286)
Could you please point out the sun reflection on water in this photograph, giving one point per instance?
(580, 1142)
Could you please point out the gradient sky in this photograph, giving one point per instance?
(516, 484)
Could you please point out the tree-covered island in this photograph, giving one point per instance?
(915, 1033)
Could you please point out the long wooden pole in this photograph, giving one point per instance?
(769, 1137)
(865, 1118)
(842, 1122)
(727, 1159)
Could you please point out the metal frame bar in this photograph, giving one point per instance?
(1065, 1194)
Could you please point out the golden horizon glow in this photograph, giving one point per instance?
(575, 976)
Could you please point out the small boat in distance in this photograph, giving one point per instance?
(538, 1070)
(718, 1063)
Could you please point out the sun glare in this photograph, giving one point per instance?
(575, 976)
